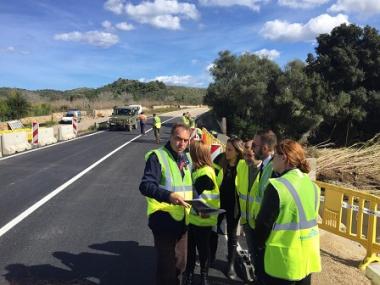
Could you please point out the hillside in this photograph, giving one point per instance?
(121, 89)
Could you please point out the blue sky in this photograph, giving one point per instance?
(66, 44)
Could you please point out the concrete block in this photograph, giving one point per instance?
(14, 142)
(46, 136)
(65, 133)
(373, 273)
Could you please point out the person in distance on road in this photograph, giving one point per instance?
(142, 118)
(167, 185)
(156, 127)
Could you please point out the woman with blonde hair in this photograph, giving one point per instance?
(286, 226)
(205, 189)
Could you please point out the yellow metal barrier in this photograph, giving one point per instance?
(357, 211)
(210, 139)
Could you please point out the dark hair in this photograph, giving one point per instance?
(154, 114)
(179, 125)
(268, 137)
(295, 154)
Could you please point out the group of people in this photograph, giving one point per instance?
(260, 184)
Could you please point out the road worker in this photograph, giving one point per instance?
(167, 185)
(156, 127)
(286, 225)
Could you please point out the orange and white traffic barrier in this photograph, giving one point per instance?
(75, 125)
(35, 127)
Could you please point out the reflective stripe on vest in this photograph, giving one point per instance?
(208, 196)
(303, 223)
(241, 183)
(171, 180)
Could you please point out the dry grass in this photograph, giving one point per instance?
(357, 166)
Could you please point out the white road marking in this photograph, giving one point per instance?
(58, 190)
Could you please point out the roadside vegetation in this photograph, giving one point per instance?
(334, 96)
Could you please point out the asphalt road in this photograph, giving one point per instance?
(94, 230)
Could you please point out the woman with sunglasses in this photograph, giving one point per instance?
(286, 226)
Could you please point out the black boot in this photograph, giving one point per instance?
(187, 278)
(231, 274)
(204, 277)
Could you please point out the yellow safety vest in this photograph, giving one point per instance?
(157, 122)
(241, 182)
(219, 177)
(292, 249)
(208, 196)
(185, 121)
(257, 193)
(171, 180)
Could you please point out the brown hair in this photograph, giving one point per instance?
(200, 154)
(238, 146)
(268, 137)
(295, 154)
(179, 125)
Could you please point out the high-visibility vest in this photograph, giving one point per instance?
(185, 121)
(208, 196)
(191, 122)
(157, 122)
(292, 249)
(171, 180)
(219, 170)
(257, 193)
(241, 183)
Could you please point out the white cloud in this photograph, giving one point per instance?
(116, 6)
(265, 53)
(368, 7)
(13, 50)
(210, 66)
(251, 4)
(107, 25)
(179, 80)
(284, 31)
(96, 38)
(165, 14)
(124, 26)
(303, 4)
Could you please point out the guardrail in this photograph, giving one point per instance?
(357, 211)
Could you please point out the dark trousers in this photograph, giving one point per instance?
(232, 224)
(198, 238)
(142, 127)
(171, 257)
(156, 134)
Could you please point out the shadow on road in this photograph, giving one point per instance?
(120, 262)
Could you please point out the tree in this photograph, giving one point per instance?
(18, 106)
(242, 91)
(348, 60)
